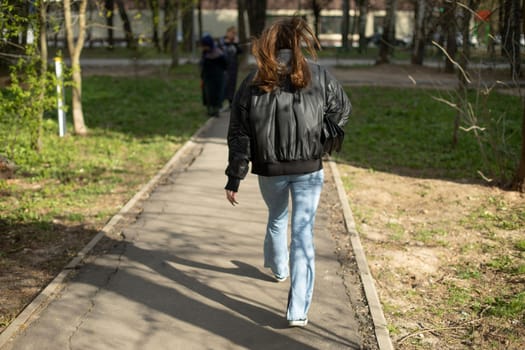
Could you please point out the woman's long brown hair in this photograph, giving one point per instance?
(284, 34)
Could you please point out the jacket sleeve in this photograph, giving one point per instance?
(337, 104)
(239, 136)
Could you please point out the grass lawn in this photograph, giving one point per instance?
(412, 130)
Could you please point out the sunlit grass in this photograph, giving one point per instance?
(135, 125)
(408, 130)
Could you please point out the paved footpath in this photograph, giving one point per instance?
(189, 275)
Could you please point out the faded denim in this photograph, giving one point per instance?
(299, 261)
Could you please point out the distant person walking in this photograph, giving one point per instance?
(276, 121)
(229, 45)
(212, 65)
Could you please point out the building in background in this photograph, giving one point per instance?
(218, 15)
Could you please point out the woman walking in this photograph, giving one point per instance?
(276, 122)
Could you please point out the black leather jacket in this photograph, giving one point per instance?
(280, 131)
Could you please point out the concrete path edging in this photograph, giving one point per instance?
(51, 291)
(376, 311)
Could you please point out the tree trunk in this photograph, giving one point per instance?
(188, 35)
(345, 25)
(241, 24)
(512, 38)
(388, 37)
(165, 29)
(43, 37)
(74, 52)
(256, 16)
(418, 49)
(171, 16)
(316, 9)
(502, 25)
(130, 40)
(451, 31)
(241, 21)
(510, 13)
(109, 6)
(363, 14)
(491, 43)
(519, 179)
(42, 29)
(155, 17)
(199, 17)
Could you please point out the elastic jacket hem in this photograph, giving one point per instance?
(292, 167)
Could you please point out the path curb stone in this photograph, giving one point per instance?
(376, 311)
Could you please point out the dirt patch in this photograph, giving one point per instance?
(32, 254)
(435, 269)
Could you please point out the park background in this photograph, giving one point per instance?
(433, 170)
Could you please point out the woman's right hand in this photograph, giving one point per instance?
(230, 195)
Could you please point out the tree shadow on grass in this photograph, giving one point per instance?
(165, 105)
(31, 255)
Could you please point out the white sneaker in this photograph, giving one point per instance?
(298, 323)
(280, 279)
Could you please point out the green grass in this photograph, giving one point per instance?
(135, 125)
(431, 236)
(508, 306)
(397, 231)
(520, 245)
(466, 271)
(407, 131)
(486, 220)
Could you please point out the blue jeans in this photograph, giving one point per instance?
(299, 263)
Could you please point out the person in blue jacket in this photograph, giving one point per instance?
(213, 65)
(229, 45)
